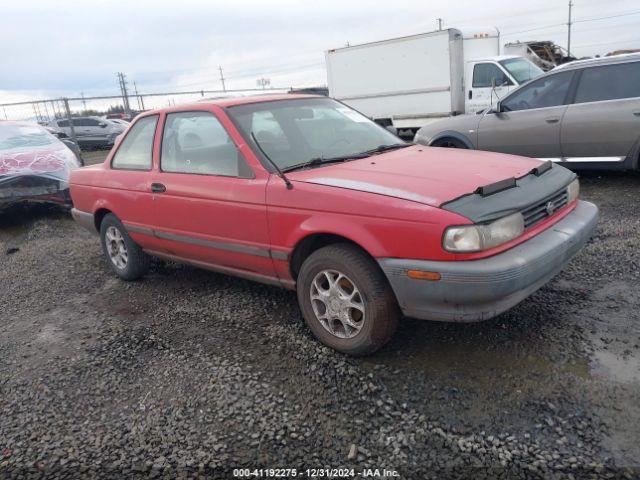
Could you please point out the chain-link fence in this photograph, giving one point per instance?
(50, 112)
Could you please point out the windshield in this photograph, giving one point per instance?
(521, 69)
(21, 136)
(292, 132)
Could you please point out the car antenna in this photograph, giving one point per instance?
(273, 164)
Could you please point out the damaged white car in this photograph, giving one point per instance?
(34, 165)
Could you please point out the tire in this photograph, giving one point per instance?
(113, 236)
(449, 142)
(377, 314)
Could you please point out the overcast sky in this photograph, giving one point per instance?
(50, 48)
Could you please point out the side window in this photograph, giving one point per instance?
(548, 91)
(63, 123)
(483, 73)
(609, 82)
(135, 151)
(196, 142)
(80, 122)
(90, 122)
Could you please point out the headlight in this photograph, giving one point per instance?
(474, 238)
(573, 191)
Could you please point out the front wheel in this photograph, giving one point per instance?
(123, 255)
(448, 143)
(346, 301)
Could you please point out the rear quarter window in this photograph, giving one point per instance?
(609, 82)
(135, 151)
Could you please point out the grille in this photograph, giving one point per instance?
(538, 212)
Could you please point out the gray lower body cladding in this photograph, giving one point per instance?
(471, 291)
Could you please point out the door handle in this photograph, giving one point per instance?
(158, 188)
(637, 113)
(552, 120)
(470, 94)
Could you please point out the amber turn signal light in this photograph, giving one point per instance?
(422, 275)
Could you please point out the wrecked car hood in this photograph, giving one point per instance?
(53, 163)
(428, 175)
(29, 150)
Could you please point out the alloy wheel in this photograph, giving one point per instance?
(116, 248)
(337, 303)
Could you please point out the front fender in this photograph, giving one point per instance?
(329, 224)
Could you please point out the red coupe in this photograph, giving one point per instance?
(305, 193)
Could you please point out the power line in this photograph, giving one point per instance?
(251, 73)
(635, 12)
(617, 42)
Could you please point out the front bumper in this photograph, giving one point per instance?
(34, 188)
(476, 290)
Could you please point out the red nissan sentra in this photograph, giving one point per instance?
(305, 193)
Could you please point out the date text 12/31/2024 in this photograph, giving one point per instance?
(314, 473)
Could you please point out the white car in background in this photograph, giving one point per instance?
(90, 131)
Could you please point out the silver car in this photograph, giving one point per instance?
(584, 114)
(90, 131)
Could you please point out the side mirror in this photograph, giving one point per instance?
(103, 125)
(392, 129)
(498, 107)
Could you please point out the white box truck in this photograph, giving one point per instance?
(410, 81)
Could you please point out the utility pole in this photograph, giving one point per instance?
(125, 96)
(68, 113)
(46, 111)
(439, 23)
(569, 29)
(224, 88)
(84, 102)
(35, 112)
(135, 89)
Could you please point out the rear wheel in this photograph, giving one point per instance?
(123, 255)
(346, 300)
(448, 142)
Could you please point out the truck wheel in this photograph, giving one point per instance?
(123, 255)
(346, 300)
(448, 142)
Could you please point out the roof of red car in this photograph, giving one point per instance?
(233, 101)
(229, 102)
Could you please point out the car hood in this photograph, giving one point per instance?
(55, 163)
(428, 175)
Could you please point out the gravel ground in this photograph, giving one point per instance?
(188, 373)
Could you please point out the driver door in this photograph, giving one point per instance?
(209, 204)
(489, 84)
(529, 121)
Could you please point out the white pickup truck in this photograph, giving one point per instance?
(410, 81)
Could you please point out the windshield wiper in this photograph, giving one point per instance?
(343, 158)
(386, 148)
(321, 161)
